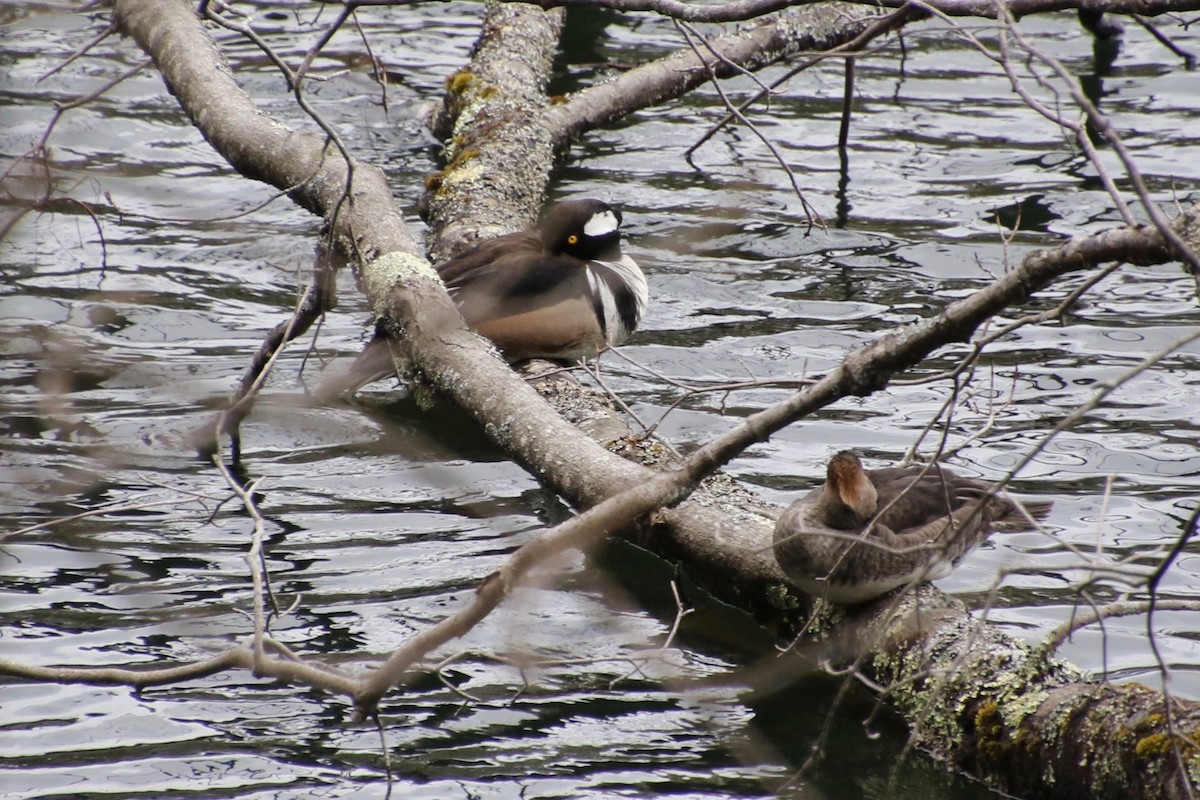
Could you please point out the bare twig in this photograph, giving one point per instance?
(112, 508)
(1120, 608)
(810, 213)
(1189, 58)
(310, 307)
(1187, 534)
(878, 28)
(255, 558)
(1101, 124)
(137, 678)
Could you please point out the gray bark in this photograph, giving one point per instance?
(498, 145)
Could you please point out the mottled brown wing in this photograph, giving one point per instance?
(480, 263)
(529, 303)
(908, 499)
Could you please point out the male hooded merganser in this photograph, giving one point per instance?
(863, 533)
(563, 290)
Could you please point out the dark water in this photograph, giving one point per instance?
(382, 517)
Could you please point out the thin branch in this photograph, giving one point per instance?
(109, 30)
(316, 300)
(894, 21)
(810, 213)
(113, 508)
(847, 106)
(1188, 533)
(1121, 608)
(1101, 124)
(1189, 58)
(136, 678)
(255, 558)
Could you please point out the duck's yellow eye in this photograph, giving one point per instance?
(572, 239)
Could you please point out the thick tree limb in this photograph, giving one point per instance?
(724, 552)
(990, 705)
(493, 120)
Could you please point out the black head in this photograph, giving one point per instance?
(585, 229)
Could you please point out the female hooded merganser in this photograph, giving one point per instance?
(863, 533)
(562, 291)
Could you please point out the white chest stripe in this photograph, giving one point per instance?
(632, 276)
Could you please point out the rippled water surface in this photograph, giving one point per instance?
(124, 322)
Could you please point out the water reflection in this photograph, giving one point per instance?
(382, 515)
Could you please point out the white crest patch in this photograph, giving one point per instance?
(600, 224)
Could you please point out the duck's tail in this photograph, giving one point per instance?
(1019, 515)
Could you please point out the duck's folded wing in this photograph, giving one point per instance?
(909, 498)
(483, 262)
